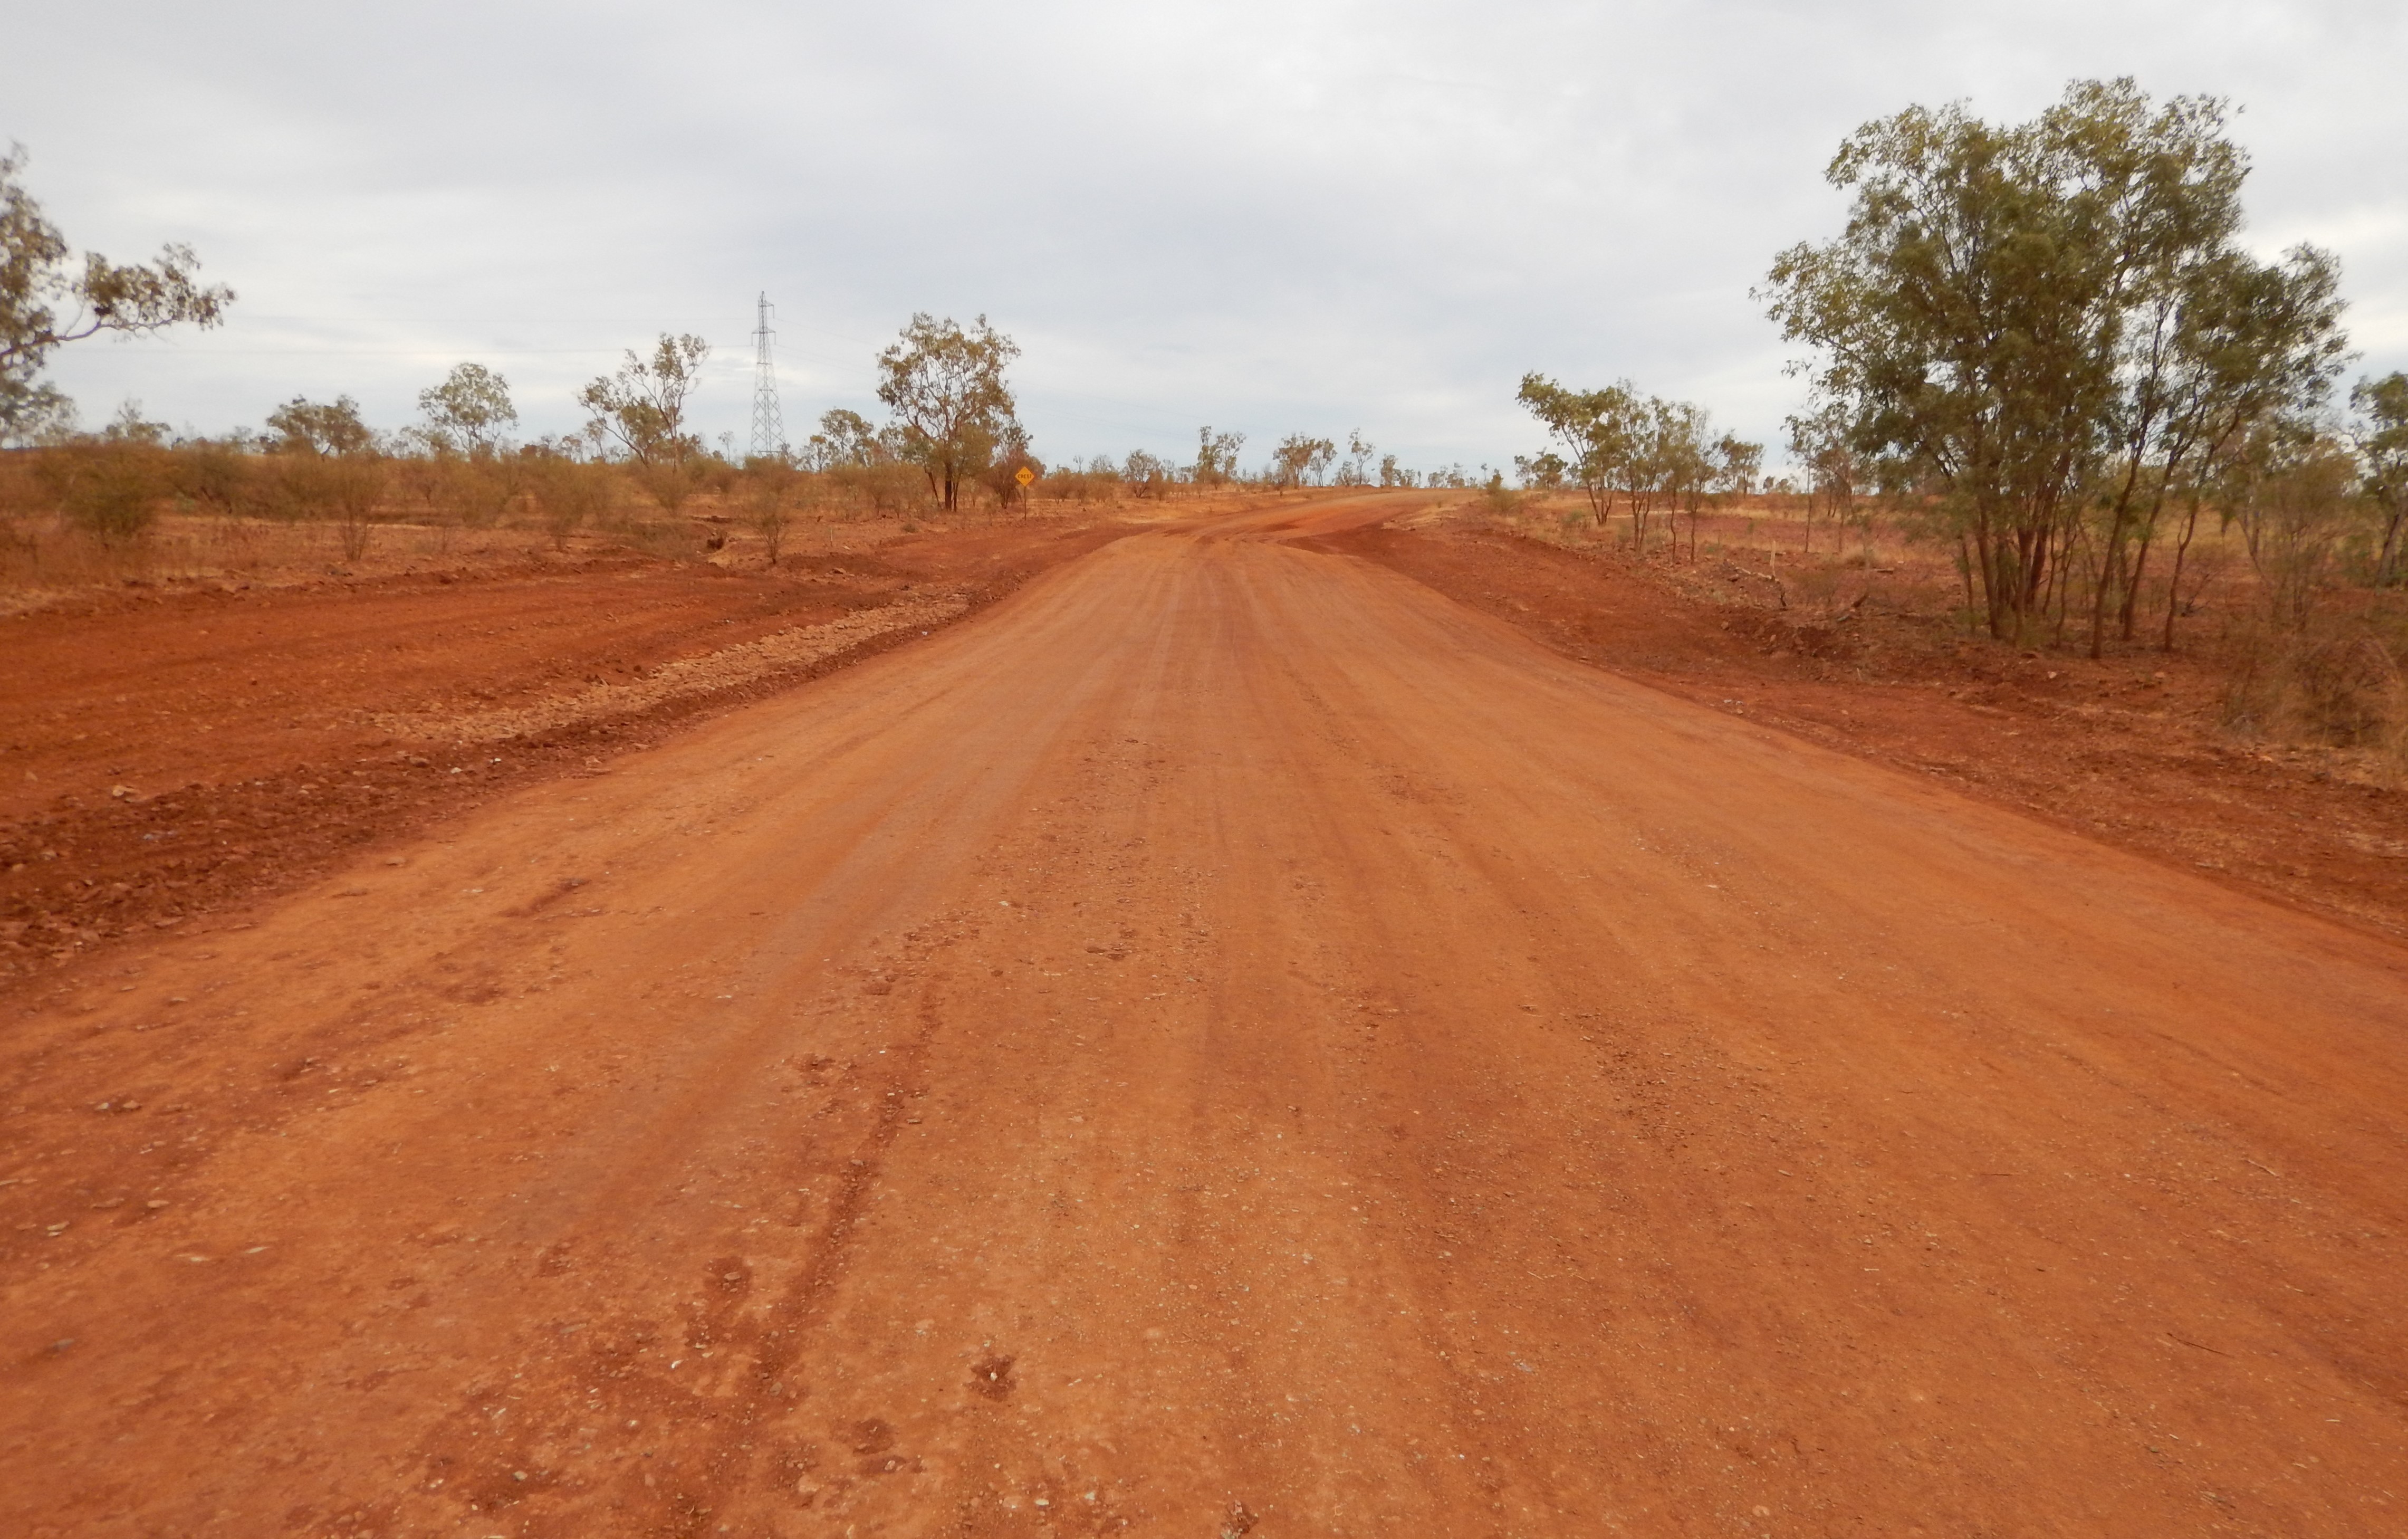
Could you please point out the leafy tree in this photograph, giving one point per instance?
(2293, 508)
(471, 407)
(1300, 459)
(1544, 471)
(946, 388)
(1978, 317)
(1701, 469)
(769, 506)
(1821, 441)
(1736, 464)
(46, 302)
(110, 489)
(1148, 475)
(303, 426)
(1598, 430)
(1355, 469)
(1005, 463)
(845, 438)
(2382, 441)
(2236, 345)
(130, 426)
(641, 407)
(1393, 474)
(1216, 458)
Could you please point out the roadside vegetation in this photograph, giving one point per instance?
(320, 484)
(2046, 373)
(2054, 403)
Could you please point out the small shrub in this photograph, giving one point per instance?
(110, 491)
(569, 496)
(355, 486)
(769, 504)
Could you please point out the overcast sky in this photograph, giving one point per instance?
(1270, 217)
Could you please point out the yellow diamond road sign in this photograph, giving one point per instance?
(1025, 476)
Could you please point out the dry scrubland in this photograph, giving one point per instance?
(2264, 757)
(218, 705)
(214, 708)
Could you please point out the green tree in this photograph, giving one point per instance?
(1216, 458)
(304, 427)
(845, 438)
(1598, 430)
(471, 408)
(2293, 507)
(48, 301)
(946, 389)
(2229, 346)
(641, 406)
(1355, 469)
(1149, 475)
(130, 426)
(1002, 474)
(1976, 317)
(1299, 459)
(1726, 472)
(1821, 441)
(2382, 440)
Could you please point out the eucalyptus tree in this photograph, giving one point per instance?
(1819, 442)
(945, 385)
(322, 428)
(1356, 468)
(1149, 475)
(2382, 440)
(641, 406)
(846, 438)
(471, 409)
(1300, 459)
(1599, 431)
(1984, 319)
(48, 300)
(1733, 464)
(1216, 458)
(2249, 347)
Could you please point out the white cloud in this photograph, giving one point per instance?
(1267, 217)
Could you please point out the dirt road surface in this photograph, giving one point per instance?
(1227, 1042)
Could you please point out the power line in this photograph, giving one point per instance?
(768, 423)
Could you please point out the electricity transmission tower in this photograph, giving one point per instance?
(769, 426)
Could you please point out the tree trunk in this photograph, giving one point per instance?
(2173, 585)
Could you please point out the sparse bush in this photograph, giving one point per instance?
(355, 486)
(1095, 481)
(567, 496)
(296, 487)
(1500, 499)
(769, 503)
(671, 484)
(108, 491)
(2351, 693)
(2343, 690)
(2292, 519)
(885, 488)
(1148, 475)
(214, 477)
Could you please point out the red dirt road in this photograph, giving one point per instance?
(1227, 1040)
